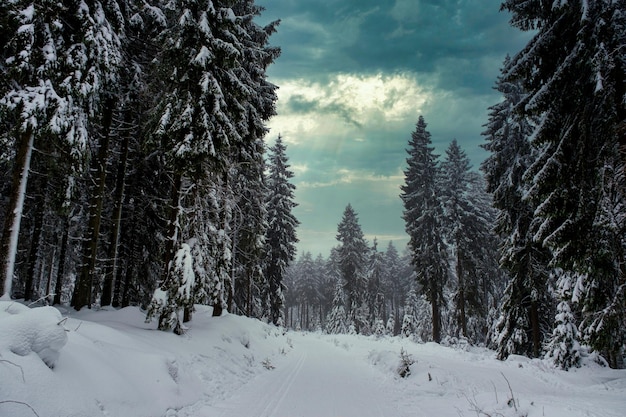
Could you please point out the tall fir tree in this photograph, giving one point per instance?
(578, 48)
(519, 330)
(215, 104)
(281, 237)
(423, 216)
(352, 258)
(467, 225)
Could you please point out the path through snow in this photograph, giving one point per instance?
(115, 365)
(318, 379)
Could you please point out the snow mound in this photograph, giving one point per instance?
(38, 330)
(397, 364)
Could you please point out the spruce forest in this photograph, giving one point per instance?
(136, 170)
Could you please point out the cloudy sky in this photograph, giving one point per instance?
(354, 77)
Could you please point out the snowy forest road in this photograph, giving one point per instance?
(318, 378)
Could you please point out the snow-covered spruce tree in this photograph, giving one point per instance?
(396, 283)
(352, 257)
(248, 230)
(411, 316)
(423, 222)
(168, 300)
(214, 102)
(56, 58)
(133, 259)
(281, 235)
(301, 292)
(337, 320)
(326, 286)
(248, 163)
(467, 221)
(578, 49)
(563, 347)
(526, 300)
(103, 26)
(127, 209)
(310, 286)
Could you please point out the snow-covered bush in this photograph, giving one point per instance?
(406, 360)
(564, 349)
(175, 293)
(38, 330)
(408, 326)
(379, 328)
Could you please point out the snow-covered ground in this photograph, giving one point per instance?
(111, 363)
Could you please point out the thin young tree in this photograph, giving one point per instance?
(281, 237)
(467, 225)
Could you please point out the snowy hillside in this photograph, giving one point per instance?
(111, 363)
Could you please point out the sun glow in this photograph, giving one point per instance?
(345, 105)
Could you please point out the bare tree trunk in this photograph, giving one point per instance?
(536, 328)
(49, 281)
(436, 314)
(8, 245)
(34, 248)
(249, 293)
(130, 276)
(461, 293)
(58, 288)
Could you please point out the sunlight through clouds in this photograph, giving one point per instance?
(381, 184)
(353, 78)
(347, 103)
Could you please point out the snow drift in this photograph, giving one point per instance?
(38, 330)
(111, 363)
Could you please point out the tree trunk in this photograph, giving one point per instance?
(172, 232)
(8, 246)
(130, 276)
(187, 314)
(49, 281)
(217, 310)
(436, 314)
(107, 287)
(83, 291)
(536, 328)
(58, 288)
(34, 247)
(461, 293)
(249, 293)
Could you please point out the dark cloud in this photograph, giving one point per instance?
(299, 104)
(370, 36)
(349, 145)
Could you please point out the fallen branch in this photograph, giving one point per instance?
(16, 365)
(22, 403)
(512, 400)
(41, 299)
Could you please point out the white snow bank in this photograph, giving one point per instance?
(25, 331)
(115, 365)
